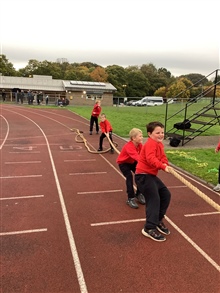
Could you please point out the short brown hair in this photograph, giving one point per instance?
(152, 125)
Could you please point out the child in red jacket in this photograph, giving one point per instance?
(217, 187)
(157, 196)
(106, 129)
(94, 116)
(127, 161)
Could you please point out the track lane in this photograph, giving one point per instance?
(119, 250)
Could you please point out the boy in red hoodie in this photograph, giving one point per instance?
(127, 161)
(157, 196)
(217, 187)
(94, 116)
(106, 129)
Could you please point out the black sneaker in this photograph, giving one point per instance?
(100, 150)
(140, 198)
(90, 132)
(163, 229)
(153, 234)
(132, 203)
(112, 151)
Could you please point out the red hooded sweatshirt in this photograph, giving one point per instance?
(129, 153)
(152, 158)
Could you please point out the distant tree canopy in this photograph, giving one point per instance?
(132, 81)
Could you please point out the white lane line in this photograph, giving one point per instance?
(102, 191)
(28, 162)
(85, 160)
(23, 232)
(117, 222)
(201, 214)
(22, 176)
(88, 173)
(75, 256)
(21, 197)
(180, 186)
(6, 135)
(30, 152)
(205, 255)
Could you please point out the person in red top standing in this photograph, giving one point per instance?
(157, 196)
(106, 129)
(94, 116)
(127, 161)
(217, 187)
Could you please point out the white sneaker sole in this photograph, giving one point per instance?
(149, 236)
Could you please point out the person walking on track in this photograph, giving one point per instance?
(94, 116)
(157, 196)
(106, 129)
(127, 161)
(217, 187)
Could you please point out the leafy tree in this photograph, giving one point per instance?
(178, 90)
(195, 78)
(161, 92)
(117, 76)
(137, 84)
(99, 74)
(6, 67)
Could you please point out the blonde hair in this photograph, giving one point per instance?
(134, 132)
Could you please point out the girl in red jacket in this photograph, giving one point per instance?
(217, 187)
(94, 116)
(127, 161)
(106, 129)
(157, 196)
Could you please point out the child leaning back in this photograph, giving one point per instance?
(127, 161)
(157, 196)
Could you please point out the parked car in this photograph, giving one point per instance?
(130, 103)
(149, 101)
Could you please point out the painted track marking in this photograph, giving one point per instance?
(22, 176)
(88, 173)
(201, 214)
(102, 191)
(21, 197)
(78, 268)
(23, 232)
(205, 255)
(27, 162)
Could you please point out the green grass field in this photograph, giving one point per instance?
(202, 163)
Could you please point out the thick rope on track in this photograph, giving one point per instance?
(83, 140)
(195, 189)
(171, 170)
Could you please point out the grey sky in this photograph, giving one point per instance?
(180, 35)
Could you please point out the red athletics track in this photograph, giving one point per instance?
(65, 226)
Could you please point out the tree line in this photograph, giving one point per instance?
(132, 81)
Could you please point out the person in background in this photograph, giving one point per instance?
(106, 129)
(47, 99)
(217, 187)
(22, 96)
(94, 117)
(127, 161)
(157, 196)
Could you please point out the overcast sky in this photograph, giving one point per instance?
(179, 35)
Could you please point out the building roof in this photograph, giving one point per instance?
(47, 83)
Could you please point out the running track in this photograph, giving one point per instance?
(65, 226)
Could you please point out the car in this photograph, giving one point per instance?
(130, 103)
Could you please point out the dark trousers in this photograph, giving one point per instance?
(128, 170)
(102, 136)
(157, 198)
(93, 120)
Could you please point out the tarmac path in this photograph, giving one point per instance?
(65, 226)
